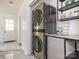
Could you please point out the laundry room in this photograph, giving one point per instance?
(39, 29)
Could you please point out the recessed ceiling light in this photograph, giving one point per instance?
(11, 2)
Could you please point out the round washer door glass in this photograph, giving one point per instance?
(37, 17)
(38, 44)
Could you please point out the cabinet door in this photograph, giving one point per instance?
(55, 48)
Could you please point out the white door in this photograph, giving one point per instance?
(10, 32)
(8, 28)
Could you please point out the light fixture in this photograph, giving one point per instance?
(11, 3)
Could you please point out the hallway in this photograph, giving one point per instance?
(15, 42)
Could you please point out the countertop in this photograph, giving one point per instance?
(68, 37)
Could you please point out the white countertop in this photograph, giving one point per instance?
(71, 37)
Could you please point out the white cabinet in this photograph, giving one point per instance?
(55, 48)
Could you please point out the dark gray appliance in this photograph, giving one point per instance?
(50, 19)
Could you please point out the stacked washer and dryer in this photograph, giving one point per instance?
(38, 30)
(41, 23)
(38, 33)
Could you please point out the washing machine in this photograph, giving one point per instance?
(38, 31)
(39, 45)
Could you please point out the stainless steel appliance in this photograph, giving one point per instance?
(38, 31)
(43, 22)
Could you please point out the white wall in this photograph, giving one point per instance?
(25, 26)
(25, 31)
(74, 27)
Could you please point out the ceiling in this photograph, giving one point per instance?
(6, 7)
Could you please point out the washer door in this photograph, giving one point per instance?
(37, 44)
(37, 17)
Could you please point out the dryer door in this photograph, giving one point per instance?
(37, 17)
(37, 44)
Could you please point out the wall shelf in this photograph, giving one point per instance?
(71, 18)
(75, 4)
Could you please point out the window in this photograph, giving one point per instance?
(9, 25)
